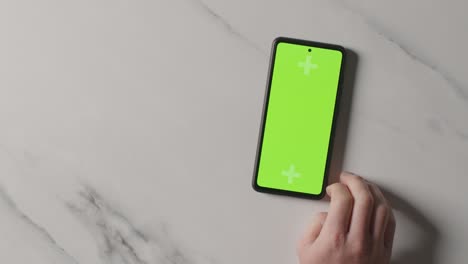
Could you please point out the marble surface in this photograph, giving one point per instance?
(128, 128)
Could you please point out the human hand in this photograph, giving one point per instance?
(358, 229)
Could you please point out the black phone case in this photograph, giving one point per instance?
(265, 107)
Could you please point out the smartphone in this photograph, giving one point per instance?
(299, 116)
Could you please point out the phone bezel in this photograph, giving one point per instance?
(312, 44)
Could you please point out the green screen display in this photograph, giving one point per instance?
(299, 118)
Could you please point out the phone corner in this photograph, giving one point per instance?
(278, 39)
(255, 186)
(342, 50)
(321, 195)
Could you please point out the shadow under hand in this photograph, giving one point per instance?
(342, 123)
(425, 249)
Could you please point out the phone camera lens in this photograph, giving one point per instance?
(310, 50)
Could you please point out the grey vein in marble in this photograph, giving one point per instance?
(118, 240)
(221, 20)
(438, 127)
(435, 126)
(36, 227)
(458, 132)
(462, 135)
(455, 84)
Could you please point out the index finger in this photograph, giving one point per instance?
(341, 207)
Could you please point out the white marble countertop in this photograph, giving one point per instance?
(128, 129)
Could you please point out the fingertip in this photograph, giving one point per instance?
(339, 194)
(330, 189)
(341, 205)
(347, 174)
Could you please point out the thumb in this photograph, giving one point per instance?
(313, 231)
